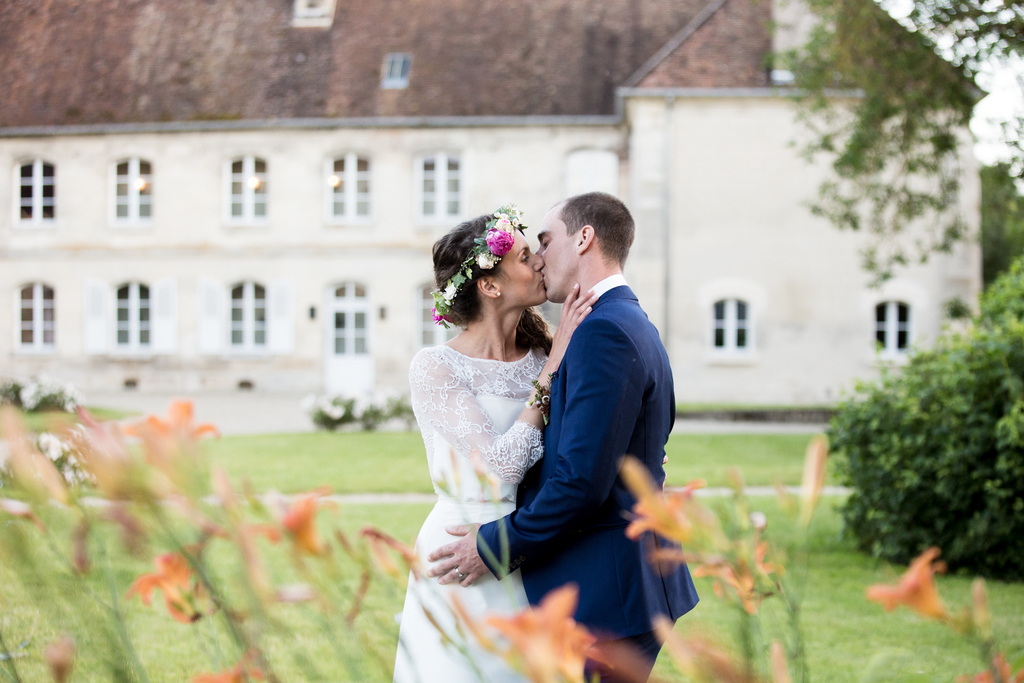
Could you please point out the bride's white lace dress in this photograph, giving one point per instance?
(466, 405)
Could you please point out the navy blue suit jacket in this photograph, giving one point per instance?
(612, 395)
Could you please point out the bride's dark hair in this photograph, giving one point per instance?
(449, 253)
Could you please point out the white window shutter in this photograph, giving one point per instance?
(281, 318)
(213, 317)
(164, 313)
(98, 330)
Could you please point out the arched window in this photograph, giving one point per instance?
(351, 310)
(133, 317)
(348, 183)
(893, 327)
(133, 190)
(732, 326)
(37, 318)
(37, 191)
(439, 188)
(247, 200)
(431, 333)
(248, 316)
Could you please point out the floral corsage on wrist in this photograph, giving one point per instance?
(542, 398)
(487, 252)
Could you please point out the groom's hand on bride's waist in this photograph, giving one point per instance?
(458, 562)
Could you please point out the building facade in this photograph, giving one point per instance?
(160, 245)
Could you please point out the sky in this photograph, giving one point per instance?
(1005, 85)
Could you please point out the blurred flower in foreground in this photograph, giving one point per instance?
(240, 673)
(170, 444)
(184, 598)
(31, 469)
(814, 477)
(1001, 667)
(547, 639)
(916, 588)
(60, 655)
(299, 521)
(21, 509)
(780, 670)
(672, 514)
(699, 659)
(380, 543)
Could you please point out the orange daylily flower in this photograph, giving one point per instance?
(547, 639)
(742, 583)
(174, 577)
(180, 424)
(240, 673)
(1000, 664)
(814, 477)
(671, 514)
(170, 444)
(300, 523)
(700, 659)
(916, 588)
(380, 543)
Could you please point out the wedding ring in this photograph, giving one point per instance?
(461, 575)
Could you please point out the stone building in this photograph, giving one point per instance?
(207, 195)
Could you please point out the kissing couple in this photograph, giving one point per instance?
(550, 418)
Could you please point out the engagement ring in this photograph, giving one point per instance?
(461, 575)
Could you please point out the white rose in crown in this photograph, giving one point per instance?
(450, 292)
(504, 224)
(486, 261)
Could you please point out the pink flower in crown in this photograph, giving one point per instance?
(438, 317)
(499, 241)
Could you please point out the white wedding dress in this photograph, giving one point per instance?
(466, 405)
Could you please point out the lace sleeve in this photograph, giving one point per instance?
(441, 401)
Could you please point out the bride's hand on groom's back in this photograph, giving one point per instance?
(574, 310)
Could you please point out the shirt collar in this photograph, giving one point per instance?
(610, 282)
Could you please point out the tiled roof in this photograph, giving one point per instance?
(118, 61)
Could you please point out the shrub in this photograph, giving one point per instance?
(39, 394)
(935, 453)
(334, 412)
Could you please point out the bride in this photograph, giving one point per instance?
(476, 405)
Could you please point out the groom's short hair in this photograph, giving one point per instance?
(609, 217)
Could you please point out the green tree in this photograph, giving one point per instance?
(1002, 221)
(891, 109)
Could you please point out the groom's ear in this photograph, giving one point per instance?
(585, 239)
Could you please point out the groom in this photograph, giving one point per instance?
(612, 395)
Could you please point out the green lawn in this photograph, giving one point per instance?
(49, 420)
(843, 631)
(355, 462)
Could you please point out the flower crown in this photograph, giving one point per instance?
(487, 252)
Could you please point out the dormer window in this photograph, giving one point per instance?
(395, 74)
(313, 13)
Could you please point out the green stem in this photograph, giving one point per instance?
(122, 632)
(11, 675)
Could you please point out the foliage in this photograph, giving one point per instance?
(890, 114)
(1002, 221)
(935, 453)
(334, 412)
(40, 394)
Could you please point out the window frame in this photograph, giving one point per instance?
(38, 345)
(135, 325)
(390, 80)
(351, 189)
(248, 325)
(441, 161)
(890, 328)
(731, 327)
(424, 306)
(38, 200)
(352, 304)
(249, 194)
(134, 198)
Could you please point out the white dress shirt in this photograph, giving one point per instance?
(610, 282)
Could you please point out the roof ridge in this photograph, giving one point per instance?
(676, 40)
